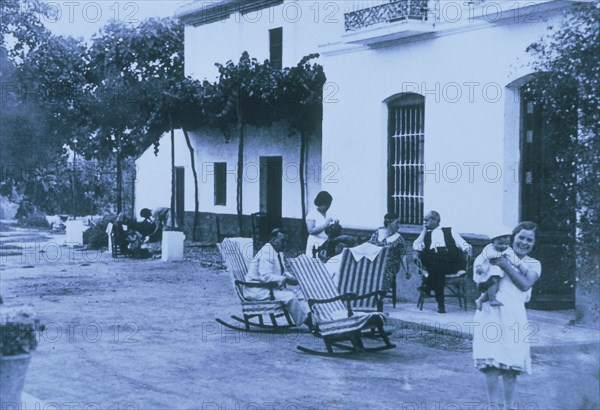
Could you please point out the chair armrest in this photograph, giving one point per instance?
(347, 297)
(261, 285)
(379, 293)
(344, 297)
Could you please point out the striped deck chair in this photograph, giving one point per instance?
(251, 309)
(363, 278)
(333, 320)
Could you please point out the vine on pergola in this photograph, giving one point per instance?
(250, 93)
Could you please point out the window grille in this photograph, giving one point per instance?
(406, 138)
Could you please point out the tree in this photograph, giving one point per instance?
(21, 27)
(256, 94)
(120, 63)
(570, 85)
(243, 96)
(300, 102)
(173, 101)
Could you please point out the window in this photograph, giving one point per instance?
(406, 138)
(276, 47)
(220, 183)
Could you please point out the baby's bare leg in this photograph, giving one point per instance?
(482, 298)
(492, 290)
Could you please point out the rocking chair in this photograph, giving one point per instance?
(251, 309)
(365, 279)
(333, 321)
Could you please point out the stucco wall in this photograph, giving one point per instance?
(153, 174)
(305, 26)
(154, 179)
(275, 141)
(470, 116)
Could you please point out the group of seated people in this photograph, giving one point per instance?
(131, 235)
(439, 250)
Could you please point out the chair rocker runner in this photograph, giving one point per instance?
(332, 315)
(251, 309)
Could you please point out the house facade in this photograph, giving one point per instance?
(425, 107)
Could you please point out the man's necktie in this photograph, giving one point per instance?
(280, 263)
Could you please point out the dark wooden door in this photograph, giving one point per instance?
(271, 191)
(548, 198)
(180, 195)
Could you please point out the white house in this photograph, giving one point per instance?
(423, 109)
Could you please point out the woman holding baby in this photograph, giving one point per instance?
(501, 335)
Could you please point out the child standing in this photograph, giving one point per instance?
(487, 276)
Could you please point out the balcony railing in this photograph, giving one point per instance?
(402, 10)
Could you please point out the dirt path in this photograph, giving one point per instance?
(130, 334)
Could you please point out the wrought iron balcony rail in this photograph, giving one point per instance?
(389, 12)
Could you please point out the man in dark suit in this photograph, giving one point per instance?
(442, 252)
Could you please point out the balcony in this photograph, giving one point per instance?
(393, 11)
(389, 21)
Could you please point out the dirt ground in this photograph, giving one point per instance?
(140, 334)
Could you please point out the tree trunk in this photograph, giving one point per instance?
(302, 172)
(196, 193)
(119, 176)
(73, 182)
(240, 170)
(172, 216)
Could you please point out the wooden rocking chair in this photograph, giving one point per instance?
(332, 320)
(251, 309)
(364, 279)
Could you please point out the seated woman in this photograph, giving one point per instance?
(128, 238)
(388, 237)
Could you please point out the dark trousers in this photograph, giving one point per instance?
(439, 264)
(436, 281)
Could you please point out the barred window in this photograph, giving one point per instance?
(406, 138)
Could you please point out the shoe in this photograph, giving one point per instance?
(309, 323)
(441, 311)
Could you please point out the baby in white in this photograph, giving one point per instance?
(486, 275)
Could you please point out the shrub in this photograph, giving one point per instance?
(34, 220)
(18, 326)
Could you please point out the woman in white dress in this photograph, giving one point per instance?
(502, 334)
(317, 221)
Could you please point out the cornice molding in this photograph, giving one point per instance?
(204, 12)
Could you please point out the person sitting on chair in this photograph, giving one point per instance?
(441, 253)
(268, 266)
(335, 243)
(128, 238)
(389, 237)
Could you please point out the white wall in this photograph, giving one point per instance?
(153, 175)
(211, 147)
(464, 132)
(459, 128)
(305, 25)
